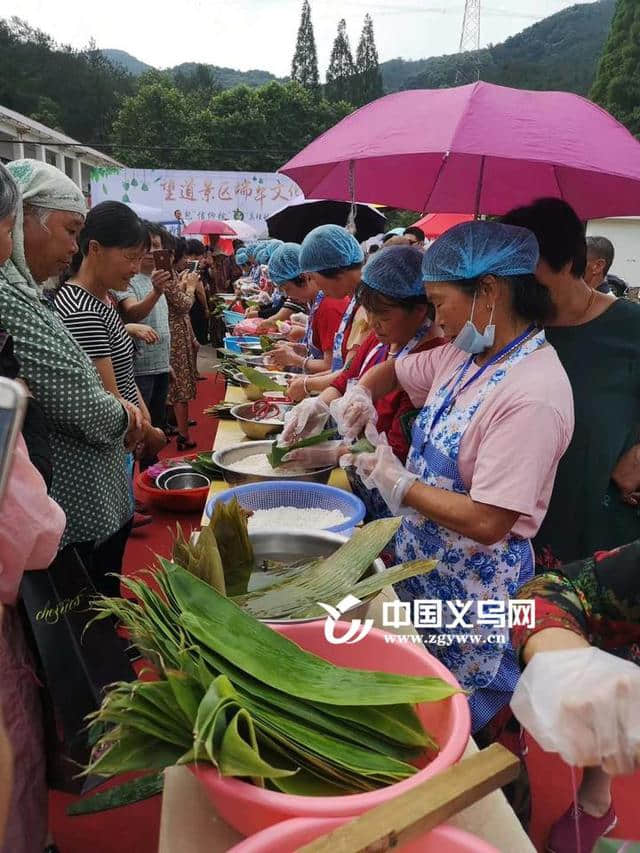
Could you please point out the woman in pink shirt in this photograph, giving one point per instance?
(497, 415)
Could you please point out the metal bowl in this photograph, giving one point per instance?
(254, 428)
(291, 546)
(250, 347)
(187, 480)
(224, 458)
(161, 479)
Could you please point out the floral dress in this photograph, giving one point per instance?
(183, 355)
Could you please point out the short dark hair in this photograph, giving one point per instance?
(154, 228)
(179, 249)
(195, 247)
(113, 225)
(377, 302)
(417, 232)
(560, 233)
(530, 300)
(602, 247)
(168, 240)
(334, 272)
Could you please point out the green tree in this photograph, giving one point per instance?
(369, 78)
(341, 71)
(304, 67)
(199, 84)
(260, 129)
(154, 128)
(617, 83)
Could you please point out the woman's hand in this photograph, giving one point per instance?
(385, 472)
(320, 456)
(306, 419)
(296, 390)
(142, 332)
(283, 357)
(154, 440)
(160, 279)
(583, 704)
(353, 412)
(189, 281)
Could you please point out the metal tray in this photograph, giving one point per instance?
(223, 458)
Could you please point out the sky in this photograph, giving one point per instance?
(246, 34)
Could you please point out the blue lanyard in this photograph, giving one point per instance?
(308, 336)
(457, 388)
(337, 362)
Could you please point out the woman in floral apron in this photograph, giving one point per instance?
(497, 415)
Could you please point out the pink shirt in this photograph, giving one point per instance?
(31, 524)
(510, 451)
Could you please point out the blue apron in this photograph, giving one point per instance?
(312, 349)
(466, 571)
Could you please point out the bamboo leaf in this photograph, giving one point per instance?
(239, 754)
(133, 791)
(278, 452)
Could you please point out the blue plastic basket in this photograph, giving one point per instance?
(232, 342)
(273, 494)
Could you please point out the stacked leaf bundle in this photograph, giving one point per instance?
(235, 693)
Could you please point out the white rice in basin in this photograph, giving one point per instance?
(259, 464)
(295, 518)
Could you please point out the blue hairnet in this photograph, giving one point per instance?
(250, 249)
(242, 257)
(329, 247)
(262, 255)
(284, 264)
(479, 248)
(395, 271)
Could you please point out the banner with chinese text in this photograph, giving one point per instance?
(159, 193)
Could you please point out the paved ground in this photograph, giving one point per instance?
(207, 359)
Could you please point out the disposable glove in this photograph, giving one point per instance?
(583, 704)
(384, 471)
(308, 418)
(353, 411)
(320, 456)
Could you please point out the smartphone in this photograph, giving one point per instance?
(162, 259)
(192, 266)
(13, 403)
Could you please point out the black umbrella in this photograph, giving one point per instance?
(293, 222)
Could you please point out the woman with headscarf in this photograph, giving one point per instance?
(332, 259)
(88, 426)
(31, 525)
(497, 416)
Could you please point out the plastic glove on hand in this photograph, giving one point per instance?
(583, 704)
(321, 456)
(383, 471)
(306, 419)
(353, 411)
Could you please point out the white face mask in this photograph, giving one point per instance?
(470, 340)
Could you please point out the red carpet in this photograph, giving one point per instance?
(136, 827)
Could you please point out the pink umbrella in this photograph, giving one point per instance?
(209, 226)
(475, 149)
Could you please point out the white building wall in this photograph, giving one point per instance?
(624, 233)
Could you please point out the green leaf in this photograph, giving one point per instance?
(278, 452)
(133, 791)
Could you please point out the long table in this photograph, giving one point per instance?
(189, 823)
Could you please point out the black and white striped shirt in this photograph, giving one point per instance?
(98, 329)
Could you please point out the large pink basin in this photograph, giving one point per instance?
(249, 809)
(289, 836)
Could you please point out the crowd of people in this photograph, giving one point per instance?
(495, 376)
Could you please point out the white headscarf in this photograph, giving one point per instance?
(40, 185)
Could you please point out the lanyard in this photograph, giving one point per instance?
(308, 335)
(458, 388)
(338, 361)
(380, 352)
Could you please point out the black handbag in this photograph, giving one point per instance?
(75, 658)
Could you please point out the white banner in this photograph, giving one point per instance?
(158, 193)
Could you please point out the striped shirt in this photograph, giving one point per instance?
(100, 332)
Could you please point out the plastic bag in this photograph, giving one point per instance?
(585, 705)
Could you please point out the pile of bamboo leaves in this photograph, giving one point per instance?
(223, 557)
(234, 693)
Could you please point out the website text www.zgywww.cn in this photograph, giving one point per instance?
(447, 639)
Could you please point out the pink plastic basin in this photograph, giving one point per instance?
(289, 836)
(249, 809)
